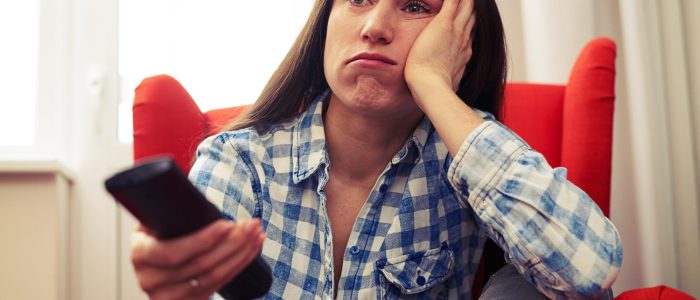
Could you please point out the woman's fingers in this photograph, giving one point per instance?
(464, 25)
(466, 51)
(464, 22)
(464, 12)
(233, 265)
(449, 8)
(152, 278)
(214, 278)
(469, 30)
(147, 250)
(246, 235)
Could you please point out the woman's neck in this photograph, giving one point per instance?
(361, 145)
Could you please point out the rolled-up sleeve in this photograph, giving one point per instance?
(553, 233)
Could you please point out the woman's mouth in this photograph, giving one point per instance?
(366, 59)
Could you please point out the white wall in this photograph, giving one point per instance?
(553, 34)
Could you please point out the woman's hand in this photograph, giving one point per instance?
(441, 52)
(434, 67)
(197, 265)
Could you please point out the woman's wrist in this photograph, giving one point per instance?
(428, 90)
(453, 119)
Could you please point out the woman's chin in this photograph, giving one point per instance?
(371, 95)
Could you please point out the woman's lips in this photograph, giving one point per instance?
(372, 60)
(370, 63)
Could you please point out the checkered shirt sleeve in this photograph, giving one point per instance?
(553, 233)
(222, 175)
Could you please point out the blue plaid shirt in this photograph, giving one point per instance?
(422, 230)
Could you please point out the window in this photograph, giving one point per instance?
(223, 52)
(19, 30)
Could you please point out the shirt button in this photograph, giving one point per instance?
(420, 280)
(383, 188)
(354, 250)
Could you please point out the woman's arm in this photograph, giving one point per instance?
(552, 231)
(199, 264)
(222, 174)
(554, 234)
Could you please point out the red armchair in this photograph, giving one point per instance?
(571, 125)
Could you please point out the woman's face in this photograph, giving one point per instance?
(367, 43)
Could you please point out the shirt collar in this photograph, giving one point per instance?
(309, 140)
(421, 133)
(415, 143)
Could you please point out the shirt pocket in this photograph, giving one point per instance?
(419, 275)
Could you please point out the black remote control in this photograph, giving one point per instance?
(161, 197)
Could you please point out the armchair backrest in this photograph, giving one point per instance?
(571, 125)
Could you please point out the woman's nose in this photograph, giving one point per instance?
(379, 26)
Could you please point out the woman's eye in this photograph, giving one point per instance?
(360, 2)
(415, 7)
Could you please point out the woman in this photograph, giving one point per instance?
(382, 171)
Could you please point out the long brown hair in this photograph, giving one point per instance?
(300, 77)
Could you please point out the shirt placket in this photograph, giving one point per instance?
(327, 237)
(363, 232)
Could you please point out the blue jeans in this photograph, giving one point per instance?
(507, 284)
